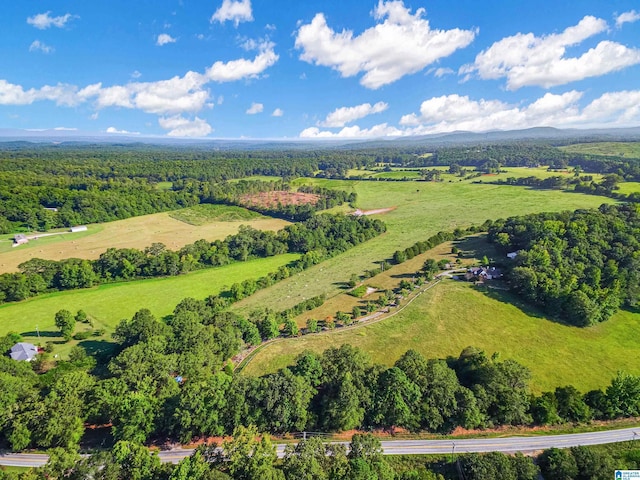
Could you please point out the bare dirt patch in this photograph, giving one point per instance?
(376, 211)
(278, 197)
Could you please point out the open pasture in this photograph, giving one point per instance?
(454, 315)
(110, 303)
(137, 232)
(422, 209)
(619, 149)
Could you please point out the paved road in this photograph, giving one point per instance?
(415, 447)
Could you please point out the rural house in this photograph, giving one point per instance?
(20, 239)
(23, 351)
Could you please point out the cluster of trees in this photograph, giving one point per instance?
(579, 266)
(168, 379)
(318, 237)
(95, 183)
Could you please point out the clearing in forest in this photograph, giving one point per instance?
(278, 197)
(175, 229)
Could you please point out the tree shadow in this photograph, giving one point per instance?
(45, 333)
(510, 298)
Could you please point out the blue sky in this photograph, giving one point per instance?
(290, 69)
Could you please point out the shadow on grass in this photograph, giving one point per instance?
(504, 296)
(45, 333)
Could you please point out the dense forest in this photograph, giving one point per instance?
(319, 237)
(100, 183)
(579, 266)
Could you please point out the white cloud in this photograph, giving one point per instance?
(381, 130)
(61, 94)
(136, 74)
(42, 21)
(164, 38)
(236, 11)
(402, 44)
(454, 112)
(255, 108)
(243, 68)
(344, 115)
(179, 126)
(627, 17)
(38, 46)
(121, 132)
(66, 129)
(525, 60)
(441, 72)
(278, 112)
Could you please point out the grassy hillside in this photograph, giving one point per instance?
(621, 149)
(454, 315)
(174, 229)
(423, 209)
(108, 304)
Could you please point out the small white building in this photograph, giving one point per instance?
(19, 239)
(79, 228)
(512, 255)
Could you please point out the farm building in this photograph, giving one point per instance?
(483, 273)
(20, 239)
(79, 228)
(23, 351)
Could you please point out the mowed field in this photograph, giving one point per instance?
(621, 149)
(422, 209)
(454, 315)
(108, 304)
(192, 224)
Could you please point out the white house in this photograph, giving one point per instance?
(24, 351)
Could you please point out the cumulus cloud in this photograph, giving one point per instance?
(381, 130)
(42, 21)
(525, 60)
(235, 11)
(243, 68)
(179, 126)
(164, 38)
(441, 72)
(61, 94)
(38, 46)
(255, 108)
(344, 115)
(121, 132)
(401, 43)
(278, 112)
(450, 113)
(627, 17)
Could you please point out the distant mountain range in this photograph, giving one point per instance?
(552, 135)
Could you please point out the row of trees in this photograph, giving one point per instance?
(580, 266)
(317, 238)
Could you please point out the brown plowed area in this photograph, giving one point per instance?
(272, 199)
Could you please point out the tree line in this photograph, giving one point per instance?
(317, 238)
(578, 266)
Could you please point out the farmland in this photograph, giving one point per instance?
(619, 149)
(454, 315)
(423, 209)
(108, 304)
(174, 229)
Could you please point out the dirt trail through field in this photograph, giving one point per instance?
(359, 212)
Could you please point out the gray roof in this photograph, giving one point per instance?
(24, 351)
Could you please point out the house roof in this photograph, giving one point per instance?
(23, 351)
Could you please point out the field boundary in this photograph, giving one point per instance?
(363, 321)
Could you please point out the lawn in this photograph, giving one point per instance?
(454, 315)
(621, 149)
(423, 209)
(108, 304)
(139, 232)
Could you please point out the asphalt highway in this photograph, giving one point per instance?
(415, 447)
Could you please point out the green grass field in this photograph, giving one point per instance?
(454, 315)
(108, 304)
(628, 187)
(423, 209)
(621, 149)
(208, 213)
